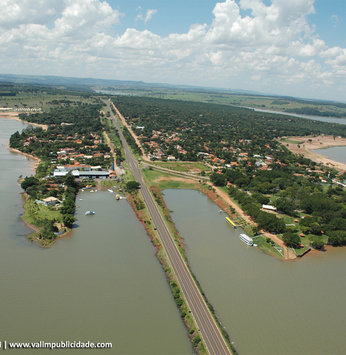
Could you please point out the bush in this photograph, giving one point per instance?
(317, 242)
(68, 220)
(197, 339)
(180, 302)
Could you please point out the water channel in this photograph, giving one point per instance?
(267, 306)
(101, 284)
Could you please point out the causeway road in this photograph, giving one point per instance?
(205, 322)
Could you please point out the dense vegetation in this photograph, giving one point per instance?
(203, 127)
(321, 209)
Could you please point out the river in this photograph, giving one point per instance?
(103, 283)
(335, 153)
(309, 117)
(266, 305)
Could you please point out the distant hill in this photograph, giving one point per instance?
(88, 83)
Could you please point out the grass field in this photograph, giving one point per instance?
(267, 247)
(108, 183)
(39, 100)
(229, 98)
(35, 212)
(183, 167)
(168, 181)
(287, 140)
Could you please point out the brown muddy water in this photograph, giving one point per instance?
(267, 306)
(101, 284)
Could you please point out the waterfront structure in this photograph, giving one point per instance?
(83, 174)
(231, 223)
(246, 239)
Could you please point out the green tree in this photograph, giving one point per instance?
(132, 186)
(291, 239)
(29, 181)
(68, 220)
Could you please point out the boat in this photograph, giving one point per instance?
(117, 197)
(246, 239)
(88, 213)
(80, 199)
(231, 223)
(110, 190)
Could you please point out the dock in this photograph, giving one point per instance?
(231, 223)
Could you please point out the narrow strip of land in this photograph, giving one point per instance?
(204, 319)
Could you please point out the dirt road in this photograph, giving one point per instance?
(110, 145)
(144, 157)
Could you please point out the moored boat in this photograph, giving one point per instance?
(87, 213)
(246, 239)
(231, 223)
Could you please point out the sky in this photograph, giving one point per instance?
(282, 47)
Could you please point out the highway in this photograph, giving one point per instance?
(205, 322)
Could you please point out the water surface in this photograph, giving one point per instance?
(101, 284)
(267, 306)
(335, 153)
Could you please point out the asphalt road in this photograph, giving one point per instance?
(205, 322)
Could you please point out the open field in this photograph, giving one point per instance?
(192, 168)
(232, 98)
(167, 181)
(40, 100)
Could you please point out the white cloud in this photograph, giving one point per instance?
(150, 14)
(335, 20)
(18, 12)
(274, 46)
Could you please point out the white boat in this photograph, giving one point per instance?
(80, 199)
(110, 190)
(88, 213)
(246, 239)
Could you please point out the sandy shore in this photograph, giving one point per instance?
(37, 160)
(318, 142)
(14, 116)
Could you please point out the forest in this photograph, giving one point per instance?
(200, 125)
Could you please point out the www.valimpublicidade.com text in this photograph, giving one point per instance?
(55, 345)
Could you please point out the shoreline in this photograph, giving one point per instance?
(319, 142)
(15, 117)
(37, 160)
(32, 236)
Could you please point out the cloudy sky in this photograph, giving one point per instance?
(285, 47)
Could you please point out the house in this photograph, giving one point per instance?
(269, 207)
(50, 201)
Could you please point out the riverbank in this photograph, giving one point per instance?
(304, 145)
(15, 116)
(37, 160)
